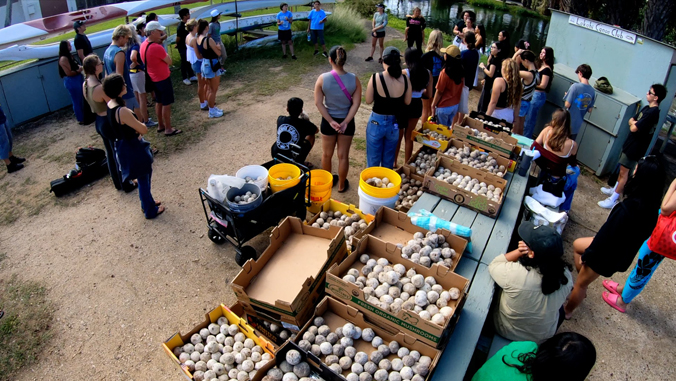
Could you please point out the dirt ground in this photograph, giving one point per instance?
(122, 284)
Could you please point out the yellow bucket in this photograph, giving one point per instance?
(380, 172)
(283, 171)
(320, 189)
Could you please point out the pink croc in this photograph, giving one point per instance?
(611, 299)
(611, 286)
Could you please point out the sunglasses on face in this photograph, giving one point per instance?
(651, 93)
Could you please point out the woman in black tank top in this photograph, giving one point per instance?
(133, 152)
(390, 93)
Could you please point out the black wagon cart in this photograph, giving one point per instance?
(226, 225)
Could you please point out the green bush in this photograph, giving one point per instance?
(346, 22)
(365, 8)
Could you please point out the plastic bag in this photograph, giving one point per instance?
(429, 221)
(218, 185)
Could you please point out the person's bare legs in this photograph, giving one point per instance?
(408, 139)
(213, 88)
(585, 276)
(344, 143)
(427, 109)
(166, 115)
(160, 117)
(328, 146)
(518, 125)
(382, 40)
(290, 42)
(622, 179)
(579, 247)
(620, 302)
(143, 102)
(201, 88)
(284, 47)
(458, 118)
(373, 45)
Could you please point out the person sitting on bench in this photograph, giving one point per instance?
(293, 131)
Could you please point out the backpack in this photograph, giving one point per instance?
(90, 165)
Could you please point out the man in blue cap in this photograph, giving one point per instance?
(81, 41)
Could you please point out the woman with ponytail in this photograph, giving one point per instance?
(133, 152)
(535, 282)
(506, 93)
(390, 94)
(337, 97)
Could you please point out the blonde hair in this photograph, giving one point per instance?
(435, 41)
(121, 31)
(510, 73)
(191, 24)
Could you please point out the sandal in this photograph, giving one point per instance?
(611, 286)
(309, 165)
(611, 299)
(174, 132)
(160, 210)
(380, 60)
(346, 186)
(154, 151)
(160, 130)
(335, 180)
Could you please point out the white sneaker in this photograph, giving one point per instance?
(608, 203)
(187, 82)
(221, 111)
(215, 113)
(193, 79)
(608, 191)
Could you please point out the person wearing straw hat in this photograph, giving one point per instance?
(378, 32)
(449, 87)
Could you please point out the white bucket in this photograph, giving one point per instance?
(258, 173)
(370, 205)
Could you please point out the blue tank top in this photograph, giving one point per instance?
(109, 64)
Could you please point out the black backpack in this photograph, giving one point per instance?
(90, 165)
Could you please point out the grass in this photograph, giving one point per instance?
(359, 144)
(25, 328)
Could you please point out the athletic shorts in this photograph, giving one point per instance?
(463, 108)
(326, 128)
(284, 35)
(164, 92)
(197, 67)
(138, 82)
(414, 110)
(627, 162)
(317, 35)
(378, 34)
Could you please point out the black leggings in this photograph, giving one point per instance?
(417, 40)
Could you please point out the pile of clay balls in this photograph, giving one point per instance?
(251, 180)
(380, 182)
(468, 184)
(387, 362)
(246, 198)
(477, 159)
(393, 287)
(496, 126)
(410, 192)
(424, 160)
(435, 135)
(429, 249)
(222, 352)
(482, 135)
(283, 334)
(291, 369)
(353, 223)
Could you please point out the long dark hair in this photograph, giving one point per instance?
(393, 62)
(338, 55)
(63, 50)
(201, 26)
(454, 69)
(470, 39)
(482, 33)
(647, 184)
(551, 265)
(112, 87)
(417, 72)
(549, 57)
(565, 356)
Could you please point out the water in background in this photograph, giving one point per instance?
(444, 14)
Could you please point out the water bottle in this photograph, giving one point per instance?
(309, 37)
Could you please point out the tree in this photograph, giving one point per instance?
(576, 7)
(656, 18)
(623, 12)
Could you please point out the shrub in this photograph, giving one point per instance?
(365, 8)
(346, 22)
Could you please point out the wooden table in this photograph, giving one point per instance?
(490, 238)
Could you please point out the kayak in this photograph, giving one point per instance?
(229, 8)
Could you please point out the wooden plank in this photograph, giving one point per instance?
(467, 268)
(481, 232)
(507, 221)
(458, 353)
(445, 210)
(427, 201)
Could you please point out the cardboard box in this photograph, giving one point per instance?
(178, 340)
(286, 279)
(262, 327)
(508, 163)
(428, 140)
(337, 314)
(503, 125)
(337, 206)
(504, 145)
(424, 151)
(318, 371)
(409, 173)
(405, 321)
(460, 196)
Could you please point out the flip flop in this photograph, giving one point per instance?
(309, 165)
(154, 151)
(162, 130)
(611, 299)
(346, 185)
(174, 132)
(335, 180)
(611, 286)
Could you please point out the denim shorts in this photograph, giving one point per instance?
(207, 72)
(445, 115)
(382, 136)
(197, 67)
(525, 106)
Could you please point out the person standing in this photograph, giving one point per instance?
(195, 58)
(337, 97)
(211, 67)
(157, 63)
(449, 88)
(491, 72)
(390, 94)
(215, 34)
(71, 73)
(434, 62)
(97, 99)
(133, 152)
(641, 130)
(529, 80)
(503, 44)
(378, 31)
(506, 93)
(82, 45)
(137, 75)
(315, 27)
(284, 20)
(545, 76)
(13, 163)
(415, 29)
(460, 27)
(470, 64)
(115, 61)
(181, 33)
(579, 98)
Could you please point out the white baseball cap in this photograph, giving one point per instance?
(154, 25)
(215, 12)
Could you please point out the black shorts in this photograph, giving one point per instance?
(317, 35)
(415, 108)
(164, 92)
(284, 35)
(378, 34)
(326, 128)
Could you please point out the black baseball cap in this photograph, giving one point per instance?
(541, 239)
(78, 24)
